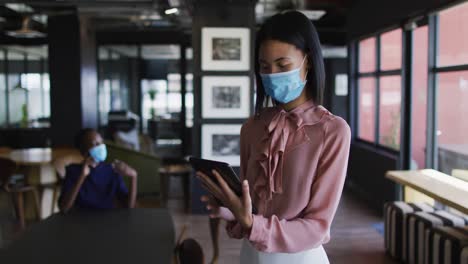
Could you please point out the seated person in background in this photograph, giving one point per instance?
(94, 184)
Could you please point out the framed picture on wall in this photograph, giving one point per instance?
(225, 49)
(225, 97)
(221, 143)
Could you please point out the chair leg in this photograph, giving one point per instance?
(20, 209)
(54, 198)
(15, 204)
(37, 204)
(186, 183)
(214, 232)
(164, 188)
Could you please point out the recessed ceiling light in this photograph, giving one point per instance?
(313, 14)
(171, 11)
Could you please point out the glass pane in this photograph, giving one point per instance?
(366, 109)
(46, 94)
(3, 94)
(160, 52)
(116, 95)
(367, 55)
(189, 109)
(104, 101)
(453, 36)
(419, 103)
(189, 82)
(391, 50)
(390, 111)
(154, 98)
(117, 64)
(33, 82)
(17, 97)
(452, 124)
(173, 82)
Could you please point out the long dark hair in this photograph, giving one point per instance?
(294, 28)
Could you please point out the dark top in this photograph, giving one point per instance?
(85, 236)
(99, 189)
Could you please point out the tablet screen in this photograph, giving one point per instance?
(224, 169)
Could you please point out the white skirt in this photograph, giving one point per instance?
(250, 255)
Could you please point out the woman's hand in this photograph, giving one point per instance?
(217, 211)
(241, 207)
(85, 168)
(123, 169)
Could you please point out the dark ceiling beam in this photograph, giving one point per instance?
(91, 3)
(7, 40)
(332, 38)
(310, 4)
(142, 37)
(8, 13)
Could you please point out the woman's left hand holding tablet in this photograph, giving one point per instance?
(241, 207)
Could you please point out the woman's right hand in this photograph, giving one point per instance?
(85, 170)
(217, 211)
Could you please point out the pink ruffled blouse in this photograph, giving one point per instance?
(295, 163)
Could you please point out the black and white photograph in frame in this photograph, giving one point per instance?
(225, 49)
(225, 97)
(221, 143)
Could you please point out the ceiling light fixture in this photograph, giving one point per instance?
(25, 31)
(171, 11)
(313, 14)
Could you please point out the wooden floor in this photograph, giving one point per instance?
(354, 240)
(353, 237)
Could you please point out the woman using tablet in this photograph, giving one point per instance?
(293, 156)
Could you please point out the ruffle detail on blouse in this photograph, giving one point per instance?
(280, 125)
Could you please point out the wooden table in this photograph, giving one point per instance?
(37, 165)
(38, 156)
(114, 236)
(444, 188)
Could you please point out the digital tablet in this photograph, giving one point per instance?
(224, 169)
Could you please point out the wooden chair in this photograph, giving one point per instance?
(188, 250)
(17, 190)
(5, 150)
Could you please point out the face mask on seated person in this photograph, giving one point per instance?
(98, 153)
(284, 87)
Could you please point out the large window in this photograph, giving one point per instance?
(24, 86)
(145, 77)
(379, 89)
(451, 84)
(438, 98)
(116, 67)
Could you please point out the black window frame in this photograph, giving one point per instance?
(377, 74)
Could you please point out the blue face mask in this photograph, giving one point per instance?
(284, 87)
(98, 153)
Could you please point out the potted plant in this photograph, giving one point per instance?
(152, 94)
